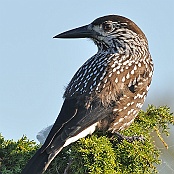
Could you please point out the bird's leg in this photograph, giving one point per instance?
(129, 138)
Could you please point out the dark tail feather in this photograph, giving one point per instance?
(36, 164)
(41, 160)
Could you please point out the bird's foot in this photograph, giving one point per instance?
(129, 139)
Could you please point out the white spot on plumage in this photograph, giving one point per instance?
(113, 65)
(82, 134)
(121, 69)
(116, 80)
(128, 76)
(140, 83)
(118, 67)
(129, 123)
(84, 72)
(94, 84)
(115, 110)
(114, 69)
(116, 123)
(94, 67)
(138, 79)
(134, 112)
(99, 84)
(85, 85)
(95, 78)
(134, 82)
(118, 72)
(135, 67)
(125, 96)
(125, 62)
(150, 74)
(95, 72)
(105, 80)
(128, 113)
(147, 88)
(121, 119)
(101, 69)
(123, 79)
(130, 84)
(139, 105)
(140, 95)
(132, 72)
(135, 97)
(122, 127)
(130, 63)
(77, 89)
(110, 74)
(81, 89)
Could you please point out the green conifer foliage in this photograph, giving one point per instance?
(100, 153)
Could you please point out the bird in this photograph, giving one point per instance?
(107, 91)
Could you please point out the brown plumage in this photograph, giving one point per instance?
(107, 91)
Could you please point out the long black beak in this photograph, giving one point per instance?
(81, 32)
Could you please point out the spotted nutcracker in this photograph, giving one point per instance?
(107, 91)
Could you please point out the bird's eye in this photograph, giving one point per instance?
(107, 26)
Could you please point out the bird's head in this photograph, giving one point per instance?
(110, 31)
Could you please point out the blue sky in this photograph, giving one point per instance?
(35, 68)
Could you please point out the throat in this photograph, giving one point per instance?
(101, 45)
(113, 47)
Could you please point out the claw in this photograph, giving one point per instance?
(129, 139)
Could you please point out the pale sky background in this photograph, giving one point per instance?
(35, 68)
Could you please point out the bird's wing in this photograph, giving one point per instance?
(73, 119)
